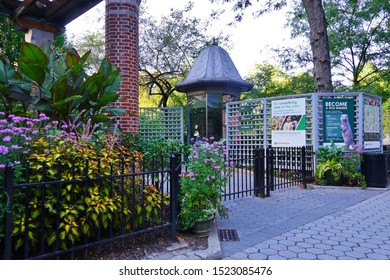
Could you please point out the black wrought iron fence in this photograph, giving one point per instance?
(241, 182)
(266, 170)
(62, 212)
(289, 166)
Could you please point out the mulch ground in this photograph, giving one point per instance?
(140, 249)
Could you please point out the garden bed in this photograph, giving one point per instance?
(143, 249)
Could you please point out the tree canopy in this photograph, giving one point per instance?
(269, 81)
(317, 34)
(359, 38)
(168, 48)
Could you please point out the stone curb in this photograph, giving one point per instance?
(313, 186)
(213, 251)
(181, 252)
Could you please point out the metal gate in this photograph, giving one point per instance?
(269, 169)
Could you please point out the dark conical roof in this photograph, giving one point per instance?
(214, 70)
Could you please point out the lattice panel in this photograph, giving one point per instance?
(245, 126)
(166, 123)
(249, 121)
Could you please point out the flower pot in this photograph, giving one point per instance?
(203, 228)
(332, 180)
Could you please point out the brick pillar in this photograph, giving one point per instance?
(122, 48)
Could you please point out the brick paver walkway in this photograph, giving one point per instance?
(315, 223)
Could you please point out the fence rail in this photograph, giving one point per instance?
(78, 210)
(270, 169)
(289, 166)
(81, 210)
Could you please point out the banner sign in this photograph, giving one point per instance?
(372, 134)
(338, 121)
(289, 122)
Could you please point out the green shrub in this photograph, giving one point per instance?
(61, 88)
(82, 210)
(342, 163)
(204, 182)
(152, 147)
(152, 208)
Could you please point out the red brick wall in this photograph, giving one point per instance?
(122, 50)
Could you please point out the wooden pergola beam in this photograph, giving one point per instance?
(25, 6)
(26, 23)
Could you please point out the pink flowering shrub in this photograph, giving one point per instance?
(202, 185)
(16, 135)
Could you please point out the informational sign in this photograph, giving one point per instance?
(338, 121)
(289, 122)
(247, 119)
(371, 124)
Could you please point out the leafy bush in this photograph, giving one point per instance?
(154, 150)
(79, 199)
(342, 163)
(329, 171)
(152, 208)
(81, 210)
(202, 185)
(61, 87)
(331, 152)
(152, 147)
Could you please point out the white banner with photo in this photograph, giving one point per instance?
(289, 122)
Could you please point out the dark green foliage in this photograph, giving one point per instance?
(359, 40)
(61, 88)
(152, 147)
(168, 49)
(343, 164)
(80, 208)
(3, 210)
(14, 91)
(10, 42)
(330, 152)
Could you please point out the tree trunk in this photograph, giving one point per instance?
(164, 100)
(319, 45)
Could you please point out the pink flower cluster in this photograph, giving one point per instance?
(16, 134)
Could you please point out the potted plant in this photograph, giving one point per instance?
(204, 220)
(339, 165)
(351, 167)
(202, 185)
(330, 171)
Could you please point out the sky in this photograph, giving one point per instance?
(251, 39)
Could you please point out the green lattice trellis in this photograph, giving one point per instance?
(166, 123)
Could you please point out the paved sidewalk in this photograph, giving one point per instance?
(313, 223)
